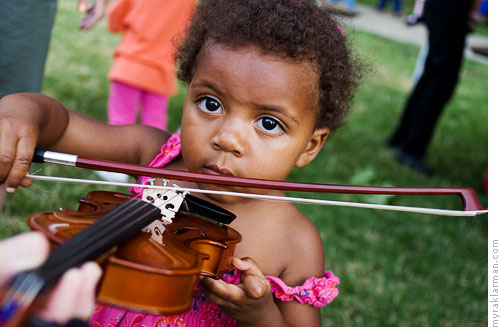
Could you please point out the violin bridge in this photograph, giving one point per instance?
(169, 202)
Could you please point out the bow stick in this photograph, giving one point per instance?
(470, 203)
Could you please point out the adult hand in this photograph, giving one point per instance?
(73, 296)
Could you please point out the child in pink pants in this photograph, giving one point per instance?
(143, 71)
(125, 100)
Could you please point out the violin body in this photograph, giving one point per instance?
(157, 270)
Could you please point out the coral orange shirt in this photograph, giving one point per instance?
(145, 56)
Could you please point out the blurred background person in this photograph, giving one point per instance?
(142, 74)
(448, 22)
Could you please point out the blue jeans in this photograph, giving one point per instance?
(349, 4)
(397, 5)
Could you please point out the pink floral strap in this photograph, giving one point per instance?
(315, 291)
(169, 151)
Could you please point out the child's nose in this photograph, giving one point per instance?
(230, 139)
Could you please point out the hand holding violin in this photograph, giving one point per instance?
(249, 303)
(73, 296)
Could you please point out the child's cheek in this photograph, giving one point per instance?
(192, 144)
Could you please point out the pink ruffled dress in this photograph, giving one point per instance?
(317, 292)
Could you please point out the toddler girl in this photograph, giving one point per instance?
(268, 80)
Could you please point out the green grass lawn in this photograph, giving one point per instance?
(396, 269)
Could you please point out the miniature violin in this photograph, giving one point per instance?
(151, 267)
(198, 224)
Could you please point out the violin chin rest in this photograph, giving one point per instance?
(207, 210)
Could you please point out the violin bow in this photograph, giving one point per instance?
(470, 203)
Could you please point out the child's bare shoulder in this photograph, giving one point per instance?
(304, 241)
(299, 243)
(297, 223)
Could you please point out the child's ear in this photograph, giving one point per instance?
(316, 142)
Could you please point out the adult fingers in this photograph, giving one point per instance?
(22, 252)
(60, 303)
(86, 299)
(73, 297)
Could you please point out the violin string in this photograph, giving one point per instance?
(107, 227)
(121, 222)
(431, 211)
(61, 257)
(26, 286)
(84, 244)
(102, 231)
(108, 224)
(82, 247)
(163, 191)
(114, 227)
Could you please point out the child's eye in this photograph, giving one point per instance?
(269, 125)
(209, 105)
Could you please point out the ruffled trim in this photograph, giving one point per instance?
(317, 292)
(169, 151)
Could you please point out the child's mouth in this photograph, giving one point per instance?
(216, 170)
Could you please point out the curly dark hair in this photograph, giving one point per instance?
(293, 29)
